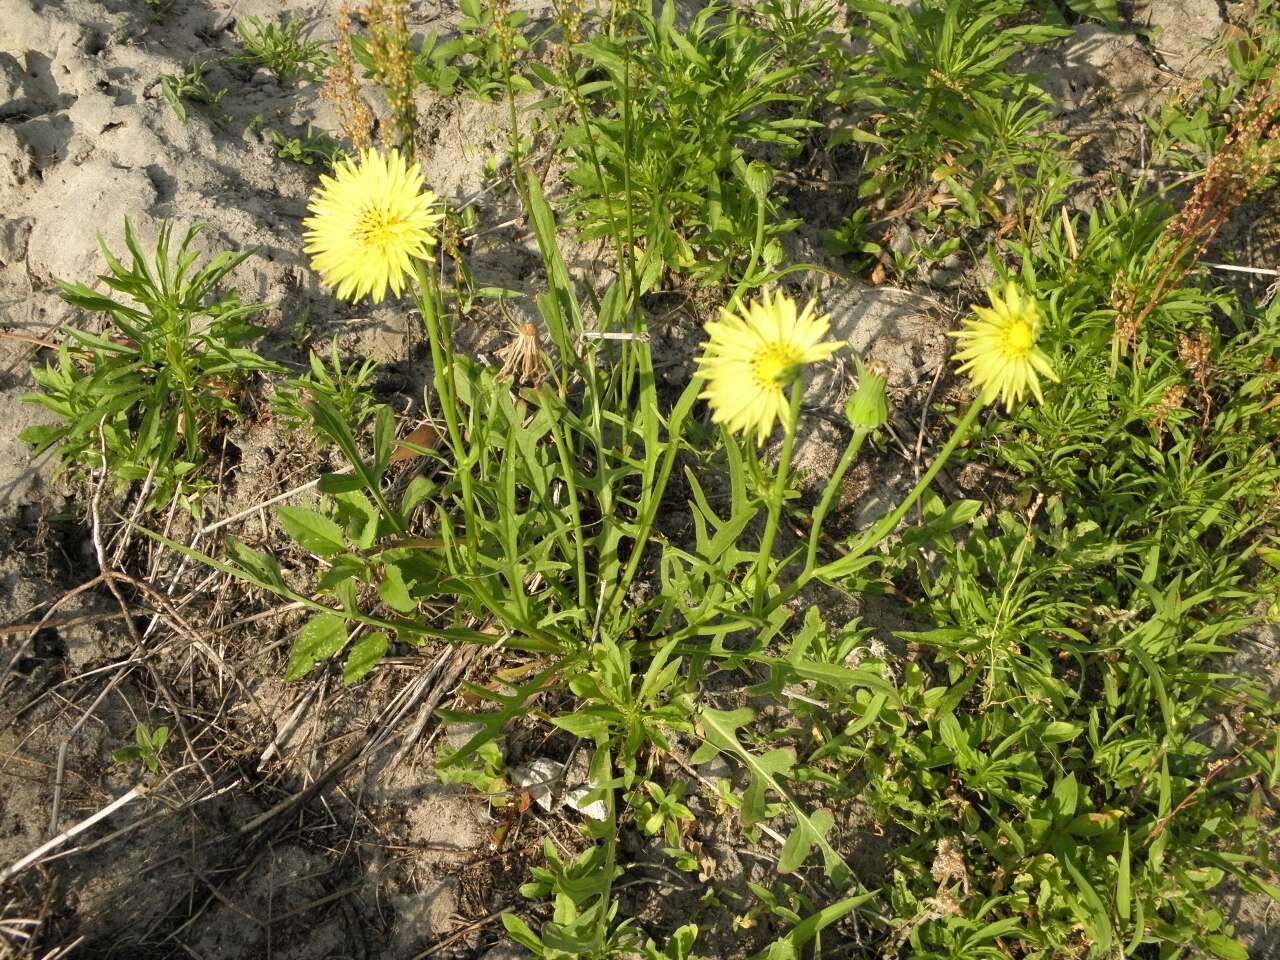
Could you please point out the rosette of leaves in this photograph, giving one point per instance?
(142, 398)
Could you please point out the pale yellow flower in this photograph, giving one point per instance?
(753, 355)
(368, 223)
(998, 348)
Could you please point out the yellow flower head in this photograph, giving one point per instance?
(998, 348)
(751, 356)
(368, 222)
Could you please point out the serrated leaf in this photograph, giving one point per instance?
(312, 531)
(799, 844)
(719, 729)
(365, 654)
(394, 591)
(321, 637)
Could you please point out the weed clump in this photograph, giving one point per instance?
(1031, 741)
(141, 400)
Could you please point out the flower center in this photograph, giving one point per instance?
(1019, 338)
(774, 364)
(376, 228)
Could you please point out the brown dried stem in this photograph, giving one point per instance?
(1247, 155)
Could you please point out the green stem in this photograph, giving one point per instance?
(633, 286)
(446, 389)
(499, 14)
(584, 118)
(579, 551)
(828, 498)
(888, 523)
(777, 493)
(610, 838)
(649, 514)
(756, 249)
(633, 277)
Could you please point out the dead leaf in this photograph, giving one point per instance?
(422, 437)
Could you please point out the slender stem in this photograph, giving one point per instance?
(384, 505)
(584, 118)
(578, 549)
(628, 211)
(446, 389)
(653, 496)
(777, 494)
(886, 524)
(828, 498)
(756, 249)
(500, 12)
(633, 277)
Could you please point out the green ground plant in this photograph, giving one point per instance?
(282, 49)
(659, 142)
(146, 747)
(344, 386)
(158, 9)
(1089, 626)
(472, 60)
(538, 520)
(311, 148)
(142, 399)
(951, 137)
(176, 88)
(1059, 756)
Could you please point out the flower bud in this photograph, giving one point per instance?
(759, 178)
(868, 409)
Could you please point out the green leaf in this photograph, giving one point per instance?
(810, 927)
(322, 637)
(1107, 11)
(255, 566)
(394, 591)
(312, 531)
(1097, 923)
(342, 570)
(719, 731)
(1225, 947)
(1122, 883)
(332, 483)
(384, 436)
(520, 932)
(365, 654)
(1066, 794)
(799, 844)
(1060, 731)
(590, 724)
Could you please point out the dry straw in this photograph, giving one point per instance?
(392, 67)
(1247, 155)
(343, 90)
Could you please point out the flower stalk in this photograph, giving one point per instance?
(776, 496)
(430, 306)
